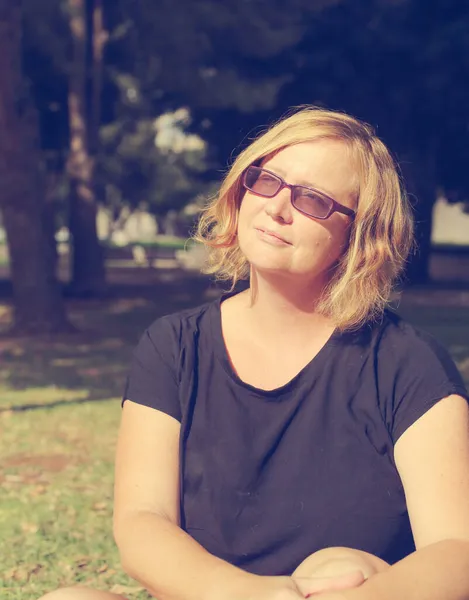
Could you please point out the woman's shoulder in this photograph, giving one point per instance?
(413, 371)
(399, 336)
(170, 339)
(403, 347)
(162, 357)
(389, 332)
(397, 344)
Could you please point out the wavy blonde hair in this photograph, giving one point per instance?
(381, 235)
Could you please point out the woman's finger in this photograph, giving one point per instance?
(315, 585)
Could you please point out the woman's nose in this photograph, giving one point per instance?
(279, 207)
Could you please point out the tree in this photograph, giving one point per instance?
(64, 59)
(38, 306)
(398, 64)
(211, 54)
(88, 256)
(153, 162)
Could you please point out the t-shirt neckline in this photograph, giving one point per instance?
(221, 352)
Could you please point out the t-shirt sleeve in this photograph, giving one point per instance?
(152, 379)
(417, 372)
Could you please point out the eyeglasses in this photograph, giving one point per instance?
(307, 200)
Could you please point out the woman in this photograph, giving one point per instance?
(297, 429)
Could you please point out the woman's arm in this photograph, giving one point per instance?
(437, 572)
(153, 548)
(432, 457)
(170, 564)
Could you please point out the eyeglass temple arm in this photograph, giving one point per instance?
(344, 210)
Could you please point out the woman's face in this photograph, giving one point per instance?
(275, 237)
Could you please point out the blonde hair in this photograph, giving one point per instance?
(381, 235)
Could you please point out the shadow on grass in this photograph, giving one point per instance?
(53, 404)
(91, 365)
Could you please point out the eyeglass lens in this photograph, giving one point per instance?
(304, 199)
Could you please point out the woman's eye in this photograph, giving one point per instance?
(312, 197)
(265, 179)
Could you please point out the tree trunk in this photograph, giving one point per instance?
(88, 270)
(98, 39)
(50, 213)
(38, 305)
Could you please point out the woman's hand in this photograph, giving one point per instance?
(324, 574)
(257, 587)
(338, 568)
(289, 588)
(313, 586)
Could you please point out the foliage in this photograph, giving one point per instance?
(400, 64)
(211, 53)
(135, 168)
(239, 64)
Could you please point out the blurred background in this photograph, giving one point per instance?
(118, 119)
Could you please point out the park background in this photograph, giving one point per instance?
(118, 119)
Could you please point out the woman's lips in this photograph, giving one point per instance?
(272, 237)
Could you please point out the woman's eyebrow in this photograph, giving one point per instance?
(303, 182)
(281, 172)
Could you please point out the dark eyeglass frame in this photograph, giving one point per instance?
(334, 206)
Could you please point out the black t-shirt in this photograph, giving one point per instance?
(269, 477)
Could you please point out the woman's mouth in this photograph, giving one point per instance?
(272, 237)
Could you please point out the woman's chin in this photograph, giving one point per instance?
(270, 266)
(284, 272)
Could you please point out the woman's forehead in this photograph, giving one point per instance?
(326, 164)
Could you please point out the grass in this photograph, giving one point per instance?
(59, 414)
(56, 500)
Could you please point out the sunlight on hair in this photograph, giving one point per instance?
(381, 235)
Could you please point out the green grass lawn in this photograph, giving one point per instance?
(59, 414)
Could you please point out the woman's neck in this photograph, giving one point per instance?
(284, 308)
